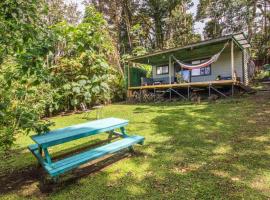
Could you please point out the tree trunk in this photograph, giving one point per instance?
(251, 19)
(158, 31)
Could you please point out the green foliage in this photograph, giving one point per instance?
(229, 16)
(81, 72)
(22, 103)
(46, 69)
(180, 25)
(260, 46)
(61, 10)
(225, 16)
(263, 74)
(212, 29)
(25, 41)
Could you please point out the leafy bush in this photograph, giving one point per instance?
(44, 70)
(80, 63)
(22, 104)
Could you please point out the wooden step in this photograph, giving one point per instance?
(247, 88)
(72, 162)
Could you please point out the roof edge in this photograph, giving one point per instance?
(201, 43)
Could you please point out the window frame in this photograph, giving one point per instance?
(162, 70)
(210, 69)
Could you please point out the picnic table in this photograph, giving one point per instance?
(63, 135)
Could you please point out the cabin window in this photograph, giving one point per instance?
(162, 69)
(204, 71)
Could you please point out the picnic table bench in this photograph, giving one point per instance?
(63, 135)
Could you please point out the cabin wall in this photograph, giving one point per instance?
(154, 71)
(163, 77)
(221, 67)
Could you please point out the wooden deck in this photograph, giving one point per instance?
(186, 85)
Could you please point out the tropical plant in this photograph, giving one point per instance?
(24, 43)
(81, 61)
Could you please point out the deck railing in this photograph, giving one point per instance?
(156, 81)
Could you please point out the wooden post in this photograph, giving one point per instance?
(154, 94)
(188, 92)
(232, 61)
(209, 90)
(128, 75)
(128, 82)
(170, 65)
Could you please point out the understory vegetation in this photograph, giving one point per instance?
(47, 68)
(207, 151)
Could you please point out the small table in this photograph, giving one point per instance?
(63, 135)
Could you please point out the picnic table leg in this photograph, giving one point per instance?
(110, 135)
(47, 156)
(55, 179)
(124, 133)
(40, 152)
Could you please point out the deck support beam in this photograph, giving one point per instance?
(140, 95)
(188, 90)
(172, 90)
(170, 94)
(216, 90)
(170, 69)
(209, 90)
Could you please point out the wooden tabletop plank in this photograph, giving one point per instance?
(74, 132)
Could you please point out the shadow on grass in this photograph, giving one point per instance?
(21, 178)
(216, 149)
(209, 151)
(49, 186)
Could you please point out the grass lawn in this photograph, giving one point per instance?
(207, 151)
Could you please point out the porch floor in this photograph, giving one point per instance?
(186, 85)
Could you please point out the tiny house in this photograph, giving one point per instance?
(219, 62)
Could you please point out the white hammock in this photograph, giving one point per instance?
(213, 59)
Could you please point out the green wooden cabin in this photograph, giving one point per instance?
(233, 66)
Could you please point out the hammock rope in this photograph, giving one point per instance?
(213, 59)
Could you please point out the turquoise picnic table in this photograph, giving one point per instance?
(67, 134)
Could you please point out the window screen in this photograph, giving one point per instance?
(162, 70)
(204, 71)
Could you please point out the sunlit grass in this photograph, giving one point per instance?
(206, 151)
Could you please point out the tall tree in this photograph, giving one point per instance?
(159, 11)
(180, 29)
(59, 10)
(229, 16)
(212, 29)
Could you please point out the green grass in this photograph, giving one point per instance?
(207, 151)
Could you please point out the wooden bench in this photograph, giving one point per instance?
(60, 136)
